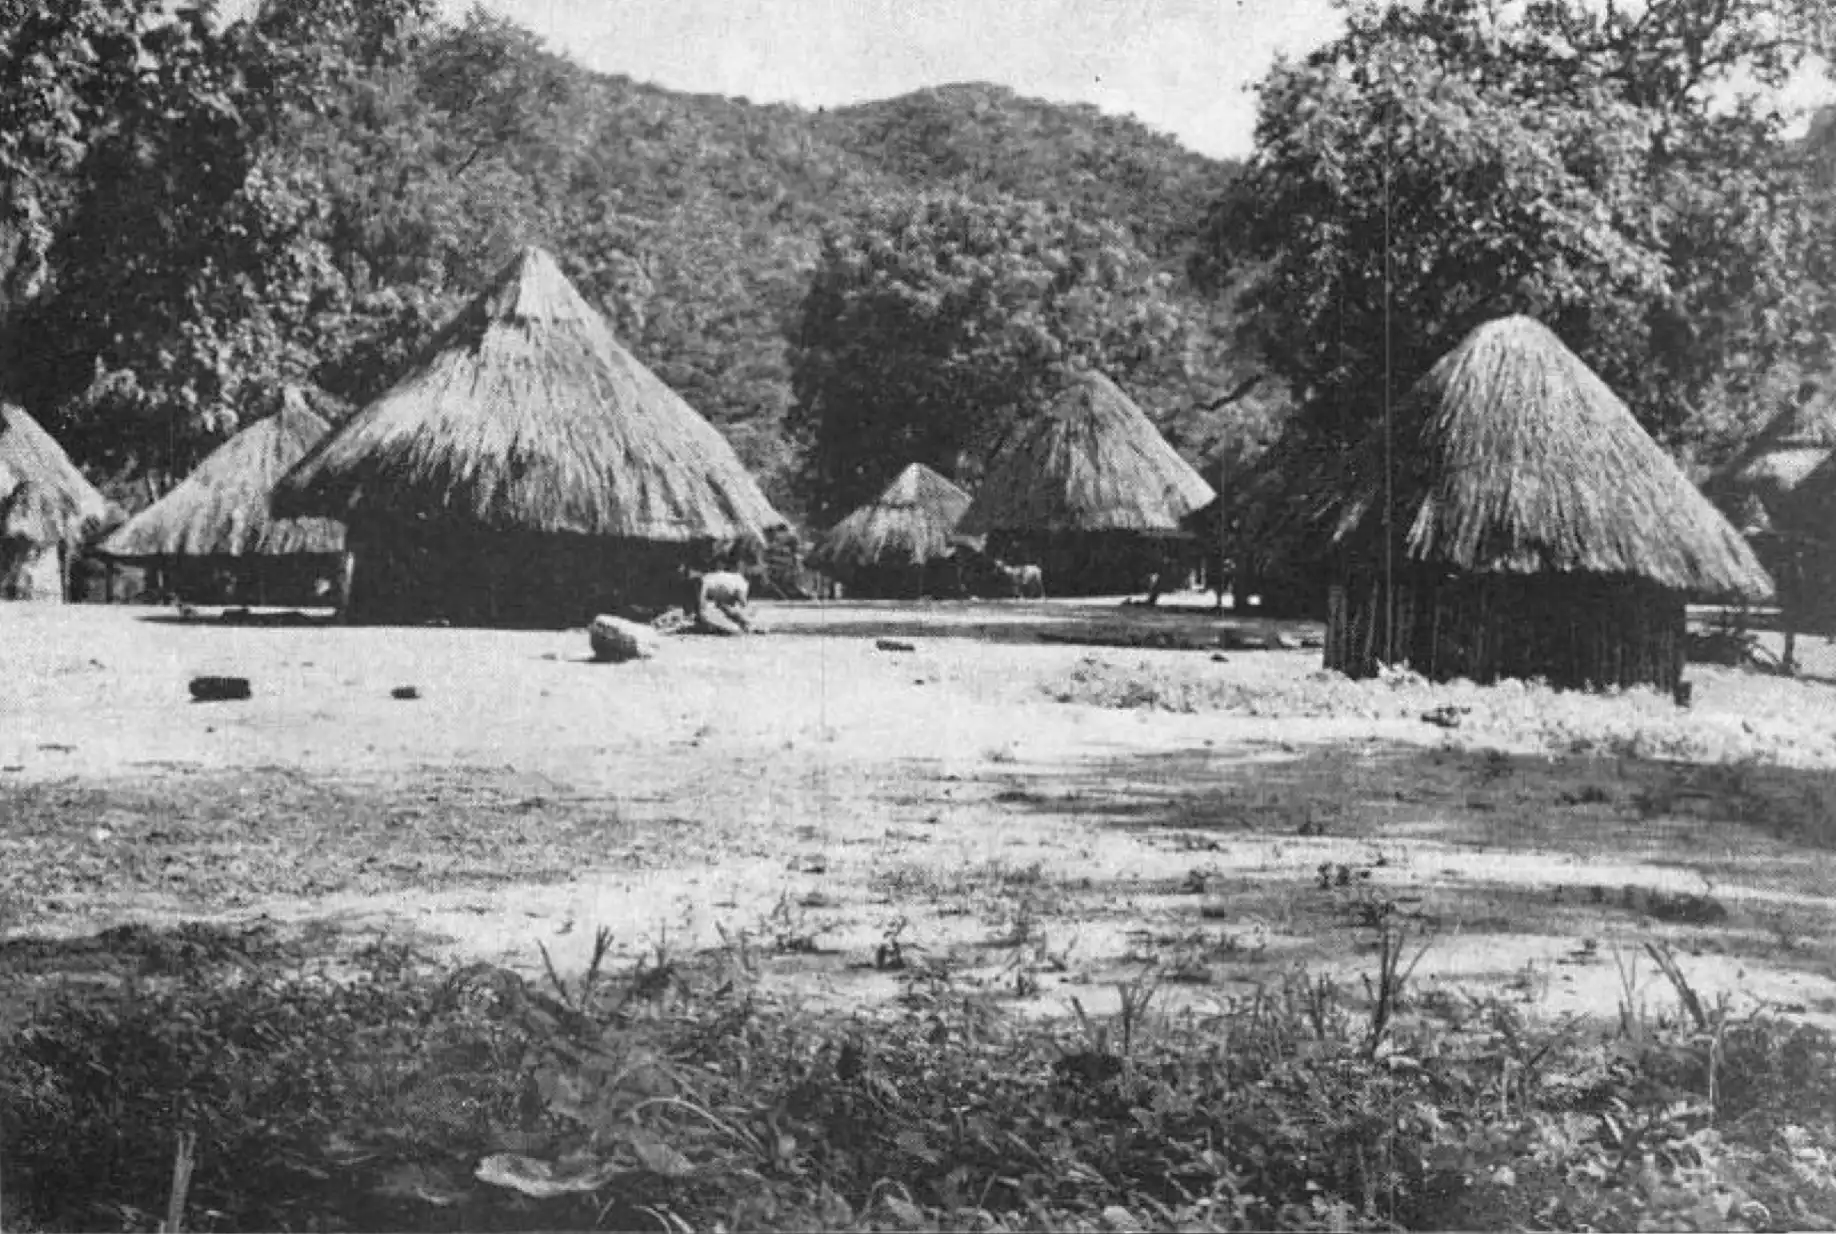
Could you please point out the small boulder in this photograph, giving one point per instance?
(616, 640)
(405, 692)
(219, 689)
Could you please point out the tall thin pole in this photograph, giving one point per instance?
(1389, 457)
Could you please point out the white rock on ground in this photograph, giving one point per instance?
(617, 640)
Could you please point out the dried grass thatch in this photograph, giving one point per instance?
(1091, 462)
(221, 508)
(57, 505)
(909, 524)
(1512, 457)
(525, 414)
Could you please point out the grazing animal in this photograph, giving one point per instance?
(982, 576)
(1028, 581)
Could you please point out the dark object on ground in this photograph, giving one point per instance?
(1243, 640)
(1219, 657)
(219, 689)
(893, 644)
(1173, 640)
(404, 692)
(1684, 692)
(1446, 715)
(245, 617)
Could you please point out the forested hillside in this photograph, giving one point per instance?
(194, 214)
(199, 214)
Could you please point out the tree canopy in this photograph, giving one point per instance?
(933, 321)
(196, 212)
(1596, 167)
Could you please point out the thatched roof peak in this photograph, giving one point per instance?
(1512, 456)
(525, 414)
(908, 524)
(221, 509)
(1090, 460)
(920, 486)
(532, 288)
(59, 504)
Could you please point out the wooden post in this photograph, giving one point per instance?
(347, 571)
(1223, 530)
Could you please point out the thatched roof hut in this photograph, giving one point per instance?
(221, 509)
(886, 545)
(46, 509)
(1535, 528)
(1080, 485)
(525, 414)
(525, 451)
(1091, 461)
(68, 505)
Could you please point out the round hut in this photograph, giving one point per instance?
(1527, 527)
(895, 546)
(1090, 491)
(47, 509)
(214, 533)
(526, 470)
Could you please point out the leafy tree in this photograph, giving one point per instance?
(933, 320)
(1449, 162)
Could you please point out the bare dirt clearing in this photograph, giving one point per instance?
(1044, 819)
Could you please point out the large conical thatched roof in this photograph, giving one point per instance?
(57, 504)
(1511, 456)
(221, 508)
(524, 413)
(1092, 461)
(908, 524)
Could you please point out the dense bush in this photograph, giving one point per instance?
(404, 1098)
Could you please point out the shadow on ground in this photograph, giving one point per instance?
(1022, 622)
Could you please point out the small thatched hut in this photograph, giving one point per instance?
(1792, 534)
(46, 510)
(1089, 490)
(216, 524)
(526, 469)
(894, 546)
(1533, 529)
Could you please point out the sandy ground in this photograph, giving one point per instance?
(1038, 820)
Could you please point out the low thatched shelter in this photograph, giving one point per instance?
(1760, 492)
(1089, 490)
(214, 532)
(896, 545)
(1531, 528)
(526, 469)
(47, 508)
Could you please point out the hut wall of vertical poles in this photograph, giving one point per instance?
(1577, 631)
(428, 570)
